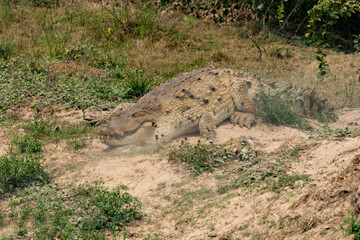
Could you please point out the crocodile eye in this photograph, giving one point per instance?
(138, 114)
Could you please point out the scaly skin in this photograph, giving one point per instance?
(195, 101)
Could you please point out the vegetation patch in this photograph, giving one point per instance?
(201, 157)
(19, 170)
(83, 212)
(352, 226)
(276, 107)
(326, 132)
(265, 175)
(33, 84)
(6, 50)
(54, 130)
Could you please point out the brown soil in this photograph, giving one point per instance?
(180, 206)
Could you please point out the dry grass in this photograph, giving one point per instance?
(176, 45)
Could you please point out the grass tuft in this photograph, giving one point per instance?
(139, 85)
(275, 108)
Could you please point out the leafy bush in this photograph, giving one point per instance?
(27, 144)
(20, 170)
(331, 24)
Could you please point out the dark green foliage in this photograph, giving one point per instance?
(277, 108)
(6, 50)
(84, 212)
(200, 157)
(352, 226)
(139, 85)
(20, 170)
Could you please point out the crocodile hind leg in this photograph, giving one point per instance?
(244, 105)
(106, 118)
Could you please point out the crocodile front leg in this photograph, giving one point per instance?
(244, 105)
(207, 126)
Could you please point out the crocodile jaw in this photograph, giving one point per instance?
(114, 138)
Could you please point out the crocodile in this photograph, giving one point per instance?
(194, 101)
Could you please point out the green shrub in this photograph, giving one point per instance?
(20, 170)
(27, 144)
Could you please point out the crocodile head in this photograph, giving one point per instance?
(130, 127)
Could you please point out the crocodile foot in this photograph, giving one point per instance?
(243, 119)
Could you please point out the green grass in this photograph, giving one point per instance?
(275, 107)
(139, 86)
(33, 84)
(83, 212)
(51, 129)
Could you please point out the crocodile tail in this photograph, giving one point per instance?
(310, 102)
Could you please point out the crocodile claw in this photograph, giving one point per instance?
(243, 119)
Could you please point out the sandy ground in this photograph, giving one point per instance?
(179, 205)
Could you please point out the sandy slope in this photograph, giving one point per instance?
(181, 206)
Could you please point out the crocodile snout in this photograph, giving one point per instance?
(105, 131)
